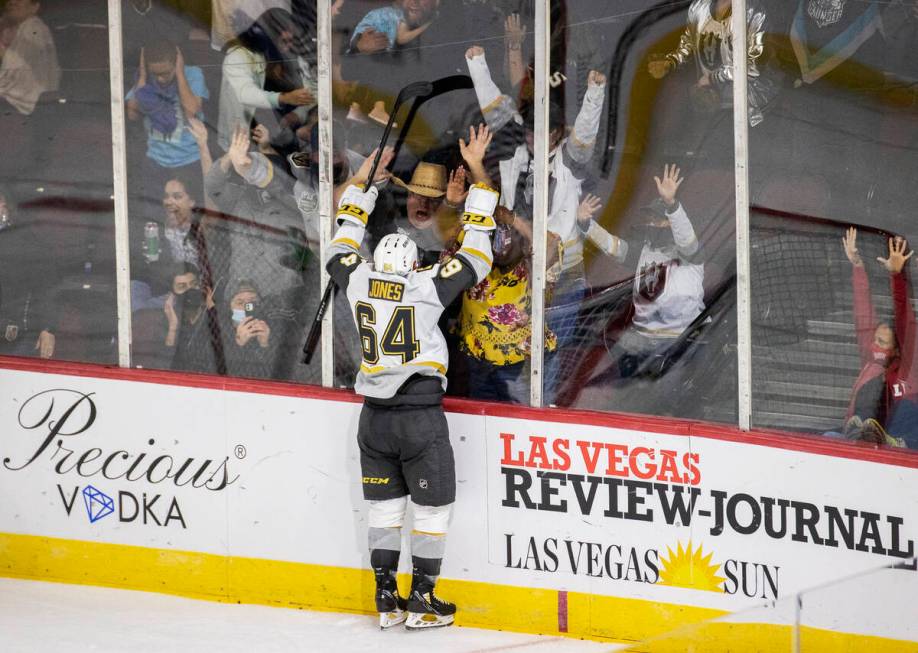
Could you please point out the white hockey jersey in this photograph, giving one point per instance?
(397, 316)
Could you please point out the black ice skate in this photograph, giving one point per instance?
(391, 607)
(426, 610)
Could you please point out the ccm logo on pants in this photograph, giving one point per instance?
(375, 481)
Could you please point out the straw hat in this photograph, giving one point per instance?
(428, 179)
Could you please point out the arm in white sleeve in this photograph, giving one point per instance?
(476, 250)
(683, 231)
(498, 109)
(607, 243)
(344, 255)
(238, 70)
(466, 268)
(347, 240)
(582, 141)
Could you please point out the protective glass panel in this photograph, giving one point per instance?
(844, 605)
(641, 300)
(57, 255)
(439, 136)
(831, 162)
(221, 103)
(838, 614)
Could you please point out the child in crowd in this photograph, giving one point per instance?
(391, 22)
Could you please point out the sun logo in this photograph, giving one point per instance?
(690, 569)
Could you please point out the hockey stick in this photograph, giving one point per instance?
(414, 90)
(438, 87)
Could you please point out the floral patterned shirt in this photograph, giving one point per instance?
(494, 324)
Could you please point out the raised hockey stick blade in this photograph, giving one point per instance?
(413, 90)
(315, 330)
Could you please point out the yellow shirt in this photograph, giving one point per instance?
(494, 324)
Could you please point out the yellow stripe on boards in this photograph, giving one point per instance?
(633, 620)
(720, 637)
(342, 589)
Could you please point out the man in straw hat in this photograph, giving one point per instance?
(425, 219)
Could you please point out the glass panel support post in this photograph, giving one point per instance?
(326, 184)
(119, 183)
(540, 201)
(741, 172)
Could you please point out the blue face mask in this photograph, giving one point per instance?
(238, 315)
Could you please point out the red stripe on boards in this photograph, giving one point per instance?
(649, 424)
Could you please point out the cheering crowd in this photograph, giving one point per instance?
(223, 137)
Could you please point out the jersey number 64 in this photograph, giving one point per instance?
(398, 339)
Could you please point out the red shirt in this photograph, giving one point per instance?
(901, 374)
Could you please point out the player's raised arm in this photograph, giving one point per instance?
(473, 261)
(354, 209)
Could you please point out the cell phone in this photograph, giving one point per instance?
(250, 309)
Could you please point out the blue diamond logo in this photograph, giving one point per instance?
(98, 504)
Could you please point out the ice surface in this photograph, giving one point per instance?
(38, 616)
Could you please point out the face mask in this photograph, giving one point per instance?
(192, 301)
(656, 237)
(881, 355)
(238, 315)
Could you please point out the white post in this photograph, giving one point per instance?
(539, 200)
(119, 184)
(326, 188)
(743, 279)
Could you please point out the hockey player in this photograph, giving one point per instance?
(402, 434)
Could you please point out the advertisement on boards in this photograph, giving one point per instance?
(196, 469)
(622, 511)
(101, 465)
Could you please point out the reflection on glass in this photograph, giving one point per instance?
(830, 182)
(668, 290)
(269, 66)
(30, 67)
(827, 611)
(641, 210)
(57, 272)
(707, 42)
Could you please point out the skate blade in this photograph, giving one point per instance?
(389, 619)
(422, 620)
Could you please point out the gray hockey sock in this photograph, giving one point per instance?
(427, 551)
(385, 546)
